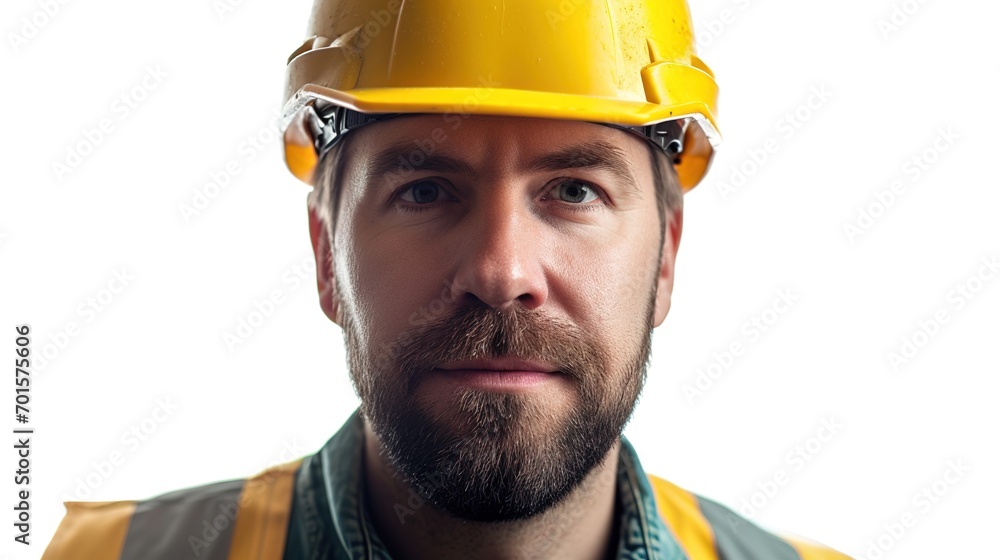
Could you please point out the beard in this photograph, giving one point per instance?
(492, 456)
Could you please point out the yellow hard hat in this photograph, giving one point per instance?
(625, 63)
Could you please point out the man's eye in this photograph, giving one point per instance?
(575, 192)
(423, 192)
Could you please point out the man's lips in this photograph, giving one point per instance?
(498, 374)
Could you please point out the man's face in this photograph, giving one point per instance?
(497, 280)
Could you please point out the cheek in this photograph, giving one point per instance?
(611, 277)
(606, 290)
(393, 288)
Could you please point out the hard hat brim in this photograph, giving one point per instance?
(508, 102)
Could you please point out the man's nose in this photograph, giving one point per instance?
(500, 257)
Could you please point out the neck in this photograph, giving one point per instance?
(580, 526)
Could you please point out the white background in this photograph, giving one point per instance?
(282, 393)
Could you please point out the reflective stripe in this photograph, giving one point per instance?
(682, 515)
(92, 530)
(265, 507)
(738, 539)
(195, 523)
(812, 551)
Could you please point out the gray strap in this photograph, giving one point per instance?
(195, 523)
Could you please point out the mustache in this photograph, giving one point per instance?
(478, 331)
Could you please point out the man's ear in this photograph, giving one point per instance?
(329, 299)
(665, 275)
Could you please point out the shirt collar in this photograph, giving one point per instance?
(336, 473)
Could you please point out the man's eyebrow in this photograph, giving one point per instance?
(403, 158)
(589, 155)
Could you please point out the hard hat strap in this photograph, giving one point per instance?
(668, 136)
(330, 123)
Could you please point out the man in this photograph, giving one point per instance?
(497, 211)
